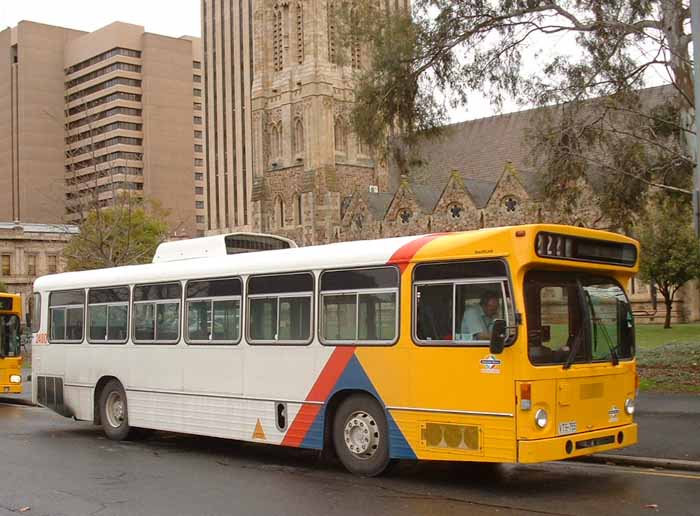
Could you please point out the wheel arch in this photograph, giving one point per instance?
(99, 387)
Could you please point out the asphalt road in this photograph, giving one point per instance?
(54, 466)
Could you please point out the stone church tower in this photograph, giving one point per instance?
(306, 159)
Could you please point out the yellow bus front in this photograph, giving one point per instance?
(10, 356)
(575, 378)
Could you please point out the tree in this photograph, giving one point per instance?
(584, 49)
(125, 233)
(670, 254)
(3, 287)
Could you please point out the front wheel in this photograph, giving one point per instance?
(113, 411)
(361, 436)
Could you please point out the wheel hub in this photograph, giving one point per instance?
(115, 409)
(361, 435)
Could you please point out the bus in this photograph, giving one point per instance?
(10, 355)
(510, 345)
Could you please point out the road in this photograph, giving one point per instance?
(55, 466)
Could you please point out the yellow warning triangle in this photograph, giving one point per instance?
(258, 432)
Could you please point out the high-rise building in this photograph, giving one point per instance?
(227, 41)
(85, 117)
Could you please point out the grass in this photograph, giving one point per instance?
(669, 360)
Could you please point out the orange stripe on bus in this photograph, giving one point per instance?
(408, 251)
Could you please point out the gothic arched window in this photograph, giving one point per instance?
(340, 136)
(276, 142)
(405, 215)
(300, 33)
(510, 203)
(455, 210)
(279, 212)
(299, 137)
(296, 203)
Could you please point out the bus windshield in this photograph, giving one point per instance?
(577, 318)
(9, 336)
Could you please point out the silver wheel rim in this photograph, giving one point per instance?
(115, 409)
(361, 435)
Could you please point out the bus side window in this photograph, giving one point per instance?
(213, 309)
(157, 313)
(108, 310)
(359, 306)
(280, 308)
(66, 316)
(458, 302)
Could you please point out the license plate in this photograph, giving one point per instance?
(567, 428)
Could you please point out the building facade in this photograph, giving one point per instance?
(86, 117)
(28, 251)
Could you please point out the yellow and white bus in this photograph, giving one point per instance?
(511, 344)
(10, 356)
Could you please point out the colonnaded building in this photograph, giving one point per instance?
(281, 156)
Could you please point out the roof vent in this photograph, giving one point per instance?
(219, 245)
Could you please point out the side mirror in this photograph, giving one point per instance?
(498, 336)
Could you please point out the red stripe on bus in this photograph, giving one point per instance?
(319, 392)
(408, 251)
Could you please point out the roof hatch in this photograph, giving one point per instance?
(219, 245)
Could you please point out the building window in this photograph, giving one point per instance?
(199, 176)
(6, 265)
(297, 209)
(197, 78)
(199, 205)
(510, 203)
(196, 64)
(197, 92)
(200, 219)
(52, 261)
(198, 147)
(197, 106)
(31, 265)
(299, 137)
(199, 190)
(405, 215)
(197, 120)
(332, 33)
(455, 211)
(277, 36)
(198, 162)
(300, 33)
(279, 212)
(340, 136)
(198, 134)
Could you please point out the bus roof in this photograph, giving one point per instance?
(338, 255)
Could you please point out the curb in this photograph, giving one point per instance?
(641, 462)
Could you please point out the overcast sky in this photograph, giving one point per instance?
(169, 17)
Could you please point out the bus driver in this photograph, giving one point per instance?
(477, 321)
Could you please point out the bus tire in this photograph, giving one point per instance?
(361, 435)
(113, 411)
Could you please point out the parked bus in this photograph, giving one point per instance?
(511, 344)
(10, 356)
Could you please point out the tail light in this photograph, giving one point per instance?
(525, 396)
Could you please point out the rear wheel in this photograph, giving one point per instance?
(114, 412)
(361, 436)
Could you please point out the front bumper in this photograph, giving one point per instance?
(576, 445)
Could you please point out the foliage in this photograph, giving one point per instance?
(3, 287)
(125, 233)
(670, 254)
(584, 49)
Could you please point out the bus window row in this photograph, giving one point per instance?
(453, 304)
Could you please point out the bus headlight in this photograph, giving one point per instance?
(541, 418)
(15, 378)
(629, 406)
